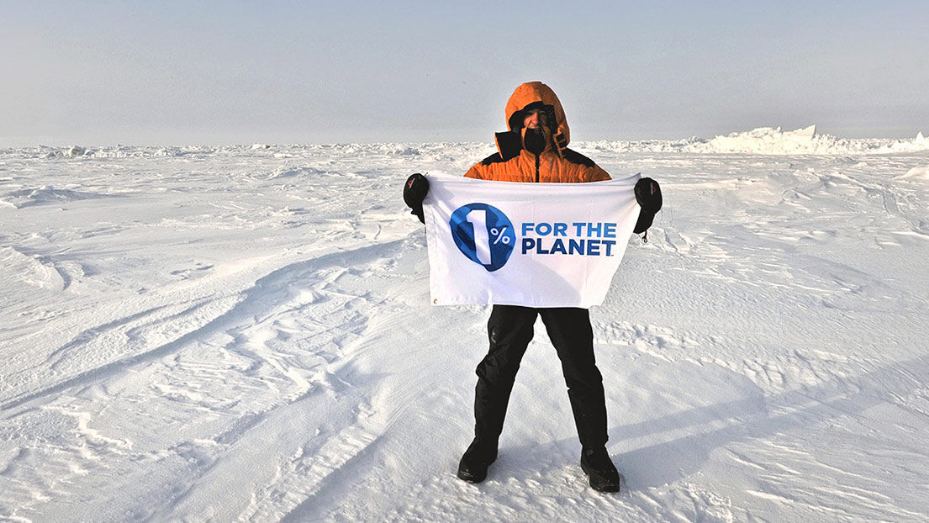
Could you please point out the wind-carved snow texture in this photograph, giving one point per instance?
(244, 333)
(44, 196)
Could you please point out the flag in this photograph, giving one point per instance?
(529, 244)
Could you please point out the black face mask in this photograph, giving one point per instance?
(535, 140)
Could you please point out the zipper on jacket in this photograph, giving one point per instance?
(537, 167)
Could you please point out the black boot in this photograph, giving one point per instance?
(474, 463)
(599, 468)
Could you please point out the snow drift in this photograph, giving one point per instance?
(762, 140)
(918, 173)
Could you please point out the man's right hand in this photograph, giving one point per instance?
(414, 192)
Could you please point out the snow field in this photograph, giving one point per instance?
(244, 333)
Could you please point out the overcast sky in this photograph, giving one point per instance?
(95, 73)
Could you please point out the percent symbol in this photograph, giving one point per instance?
(499, 235)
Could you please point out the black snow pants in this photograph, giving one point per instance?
(510, 330)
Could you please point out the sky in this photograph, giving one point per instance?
(172, 73)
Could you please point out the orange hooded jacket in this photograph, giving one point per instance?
(556, 163)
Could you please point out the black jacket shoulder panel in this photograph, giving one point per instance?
(576, 157)
(493, 158)
(508, 144)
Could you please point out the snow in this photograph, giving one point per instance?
(919, 173)
(75, 151)
(244, 333)
(45, 195)
(772, 141)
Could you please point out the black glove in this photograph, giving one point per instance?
(414, 192)
(648, 196)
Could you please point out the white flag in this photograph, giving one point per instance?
(530, 244)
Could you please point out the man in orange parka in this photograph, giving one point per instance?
(535, 149)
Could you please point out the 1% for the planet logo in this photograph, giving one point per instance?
(484, 234)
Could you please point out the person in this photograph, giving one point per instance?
(535, 149)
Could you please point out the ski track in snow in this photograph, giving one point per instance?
(244, 333)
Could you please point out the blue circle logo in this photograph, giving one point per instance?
(484, 234)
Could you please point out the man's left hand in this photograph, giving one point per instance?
(648, 196)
